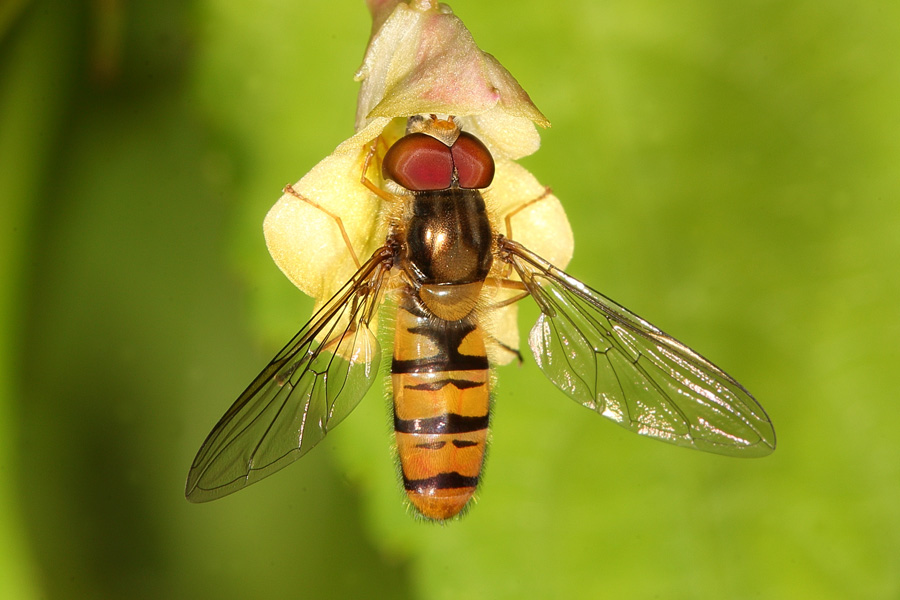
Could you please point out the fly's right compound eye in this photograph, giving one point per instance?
(473, 161)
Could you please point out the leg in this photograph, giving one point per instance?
(507, 284)
(289, 189)
(363, 179)
(509, 349)
(520, 208)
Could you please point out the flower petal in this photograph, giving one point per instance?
(423, 60)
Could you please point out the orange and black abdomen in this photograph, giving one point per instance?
(441, 408)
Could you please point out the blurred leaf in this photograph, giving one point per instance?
(134, 344)
(33, 91)
(10, 12)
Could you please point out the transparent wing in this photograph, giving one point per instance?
(308, 388)
(619, 365)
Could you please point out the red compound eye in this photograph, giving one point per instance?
(473, 161)
(419, 163)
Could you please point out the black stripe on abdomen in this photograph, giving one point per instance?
(464, 443)
(446, 423)
(433, 386)
(456, 362)
(440, 481)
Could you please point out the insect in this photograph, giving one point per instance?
(439, 260)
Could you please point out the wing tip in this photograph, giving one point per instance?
(197, 495)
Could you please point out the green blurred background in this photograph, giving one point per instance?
(730, 170)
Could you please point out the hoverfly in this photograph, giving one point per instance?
(440, 255)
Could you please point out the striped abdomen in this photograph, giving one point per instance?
(441, 403)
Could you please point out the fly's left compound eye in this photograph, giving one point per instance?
(473, 161)
(419, 163)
